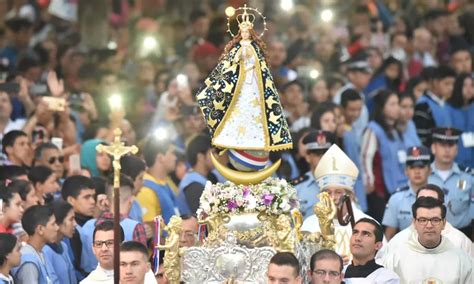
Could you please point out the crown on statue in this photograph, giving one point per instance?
(245, 19)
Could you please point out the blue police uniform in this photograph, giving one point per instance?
(458, 185)
(398, 210)
(307, 190)
(317, 142)
(398, 213)
(459, 193)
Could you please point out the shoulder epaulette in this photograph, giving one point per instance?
(466, 169)
(402, 188)
(299, 180)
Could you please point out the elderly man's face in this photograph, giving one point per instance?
(188, 233)
(335, 193)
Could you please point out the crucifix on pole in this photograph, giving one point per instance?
(117, 149)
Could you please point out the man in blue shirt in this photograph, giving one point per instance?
(398, 214)
(198, 154)
(457, 184)
(317, 143)
(430, 109)
(39, 223)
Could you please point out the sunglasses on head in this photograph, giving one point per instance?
(52, 160)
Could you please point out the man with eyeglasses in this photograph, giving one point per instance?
(132, 229)
(366, 241)
(325, 267)
(189, 231)
(103, 245)
(427, 256)
(457, 237)
(48, 154)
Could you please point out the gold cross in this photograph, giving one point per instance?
(117, 149)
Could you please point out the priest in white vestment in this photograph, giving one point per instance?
(457, 238)
(336, 174)
(427, 256)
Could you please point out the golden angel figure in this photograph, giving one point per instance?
(239, 100)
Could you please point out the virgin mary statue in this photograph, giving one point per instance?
(239, 100)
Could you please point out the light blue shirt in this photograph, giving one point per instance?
(410, 137)
(361, 123)
(459, 195)
(398, 212)
(307, 191)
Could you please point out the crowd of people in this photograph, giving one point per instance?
(389, 82)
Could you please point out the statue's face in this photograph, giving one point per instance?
(245, 34)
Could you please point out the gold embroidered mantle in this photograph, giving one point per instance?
(222, 88)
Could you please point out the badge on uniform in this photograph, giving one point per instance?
(461, 184)
(402, 156)
(468, 139)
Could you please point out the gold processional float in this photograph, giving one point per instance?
(246, 220)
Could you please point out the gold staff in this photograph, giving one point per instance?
(117, 149)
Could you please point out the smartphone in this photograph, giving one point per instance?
(38, 135)
(75, 163)
(76, 98)
(55, 104)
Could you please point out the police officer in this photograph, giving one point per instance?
(316, 143)
(398, 214)
(448, 175)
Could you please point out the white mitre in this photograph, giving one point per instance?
(336, 169)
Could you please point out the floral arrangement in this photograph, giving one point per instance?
(272, 196)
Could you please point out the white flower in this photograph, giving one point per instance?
(205, 206)
(284, 205)
(252, 202)
(283, 182)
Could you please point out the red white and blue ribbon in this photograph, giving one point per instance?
(248, 160)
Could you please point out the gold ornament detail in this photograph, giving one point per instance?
(326, 211)
(246, 19)
(172, 259)
(245, 178)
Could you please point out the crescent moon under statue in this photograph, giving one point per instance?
(245, 178)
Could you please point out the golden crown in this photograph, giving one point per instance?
(245, 19)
